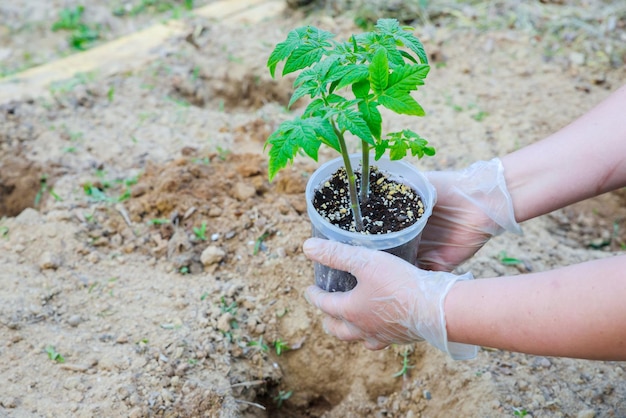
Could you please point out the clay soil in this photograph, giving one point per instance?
(148, 268)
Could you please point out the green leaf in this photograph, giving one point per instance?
(305, 43)
(403, 104)
(372, 117)
(282, 150)
(379, 71)
(414, 45)
(305, 89)
(314, 108)
(302, 57)
(392, 28)
(316, 78)
(361, 89)
(408, 56)
(380, 149)
(287, 140)
(316, 36)
(313, 46)
(325, 132)
(333, 86)
(397, 150)
(401, 82)
(399, 143)
(407, 78)
(306, 76)
(353, 121)
(389, 26)
(336, 99)
(354, 74)
(419, 146)
(393, 53)
(283, 50)
(326, 70)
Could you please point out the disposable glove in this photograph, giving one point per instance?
(473, 205)
(394, 302)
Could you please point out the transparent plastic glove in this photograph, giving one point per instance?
(394, 302)
(473, 205)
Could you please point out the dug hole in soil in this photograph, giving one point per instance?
(160, 274)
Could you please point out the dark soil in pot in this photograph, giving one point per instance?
(391, 206)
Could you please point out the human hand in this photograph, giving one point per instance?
(393, 302)
(473, 205)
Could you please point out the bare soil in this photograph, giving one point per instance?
(142, 242)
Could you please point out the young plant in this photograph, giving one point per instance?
(406, 366)
(259, 344)
(158, 221)
(44, 187)
(54, 355)
(348, 82)
(81, 35)
(280, 346)
(258, 244)
(282, 397)
(225, 308)
(200, 232)
(509, 261)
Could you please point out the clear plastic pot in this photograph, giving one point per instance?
(403, 244)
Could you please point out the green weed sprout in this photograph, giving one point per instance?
(200, 232)
(53, 355)
(43, 188)
(509, 261)
(80, 33)
(347, 82)
(281, 397)
(225, 308)
(405, 365)
(259, 344)
(280, 346)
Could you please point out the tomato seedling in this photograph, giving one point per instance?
(347, 82)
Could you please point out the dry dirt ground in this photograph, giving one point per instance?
(148, 268)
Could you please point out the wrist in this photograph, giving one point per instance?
(454, 309)
(432, 325)
(483, 185)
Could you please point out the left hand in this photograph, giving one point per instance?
(393, 302)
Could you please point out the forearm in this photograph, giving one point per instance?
(576, 311)
(582, 160)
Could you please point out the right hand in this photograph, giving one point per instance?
(473, 205)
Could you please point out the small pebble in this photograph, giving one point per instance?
(586, 413)
(49, 261)
(223, 323)
(212, 255)
(74, 320)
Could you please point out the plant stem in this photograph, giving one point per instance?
(354, 197)
(365, 172)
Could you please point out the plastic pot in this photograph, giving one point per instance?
(403, 244)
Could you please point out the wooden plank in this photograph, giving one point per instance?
(265, 10)
(130, 51)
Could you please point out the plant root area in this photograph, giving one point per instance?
(391, 206)
(149, 269)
